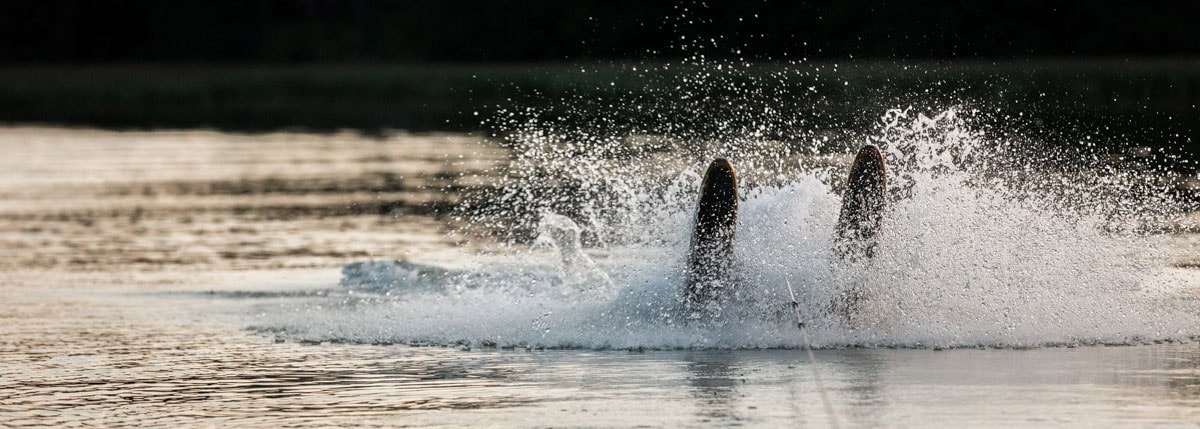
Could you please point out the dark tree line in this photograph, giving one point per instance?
(290, 31)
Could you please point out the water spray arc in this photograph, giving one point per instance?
(974, 249)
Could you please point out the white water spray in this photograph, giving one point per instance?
(967, 257)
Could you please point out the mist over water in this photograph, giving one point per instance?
(989, 240)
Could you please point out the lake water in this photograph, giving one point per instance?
(197, 278)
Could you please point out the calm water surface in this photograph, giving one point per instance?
(132, 266)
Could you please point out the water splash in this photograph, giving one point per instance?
(578, 272)
(976, 250)
(993, 238)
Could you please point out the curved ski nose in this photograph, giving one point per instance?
(720, 166)
(868, 161)
(717, 212)
(712, 239)
(862, 204)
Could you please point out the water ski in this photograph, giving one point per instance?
(858, 224)
(712, 242)
(862, 205)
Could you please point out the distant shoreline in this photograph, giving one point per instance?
(1157, 94)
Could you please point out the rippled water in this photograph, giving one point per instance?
(143, 277)
(83, 351)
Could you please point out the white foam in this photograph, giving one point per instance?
(959, 263)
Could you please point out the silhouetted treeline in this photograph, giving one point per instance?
(290, 31)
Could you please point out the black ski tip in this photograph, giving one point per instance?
(863, 203)
(869, 164)
(712, 239)
(717, 212)
(720, 173)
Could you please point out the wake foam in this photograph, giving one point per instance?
(966, 258)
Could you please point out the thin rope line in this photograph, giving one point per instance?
(812, 359)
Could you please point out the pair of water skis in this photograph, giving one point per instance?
(711, 259)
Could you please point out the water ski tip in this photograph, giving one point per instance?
(862, 204)
(712, 240)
